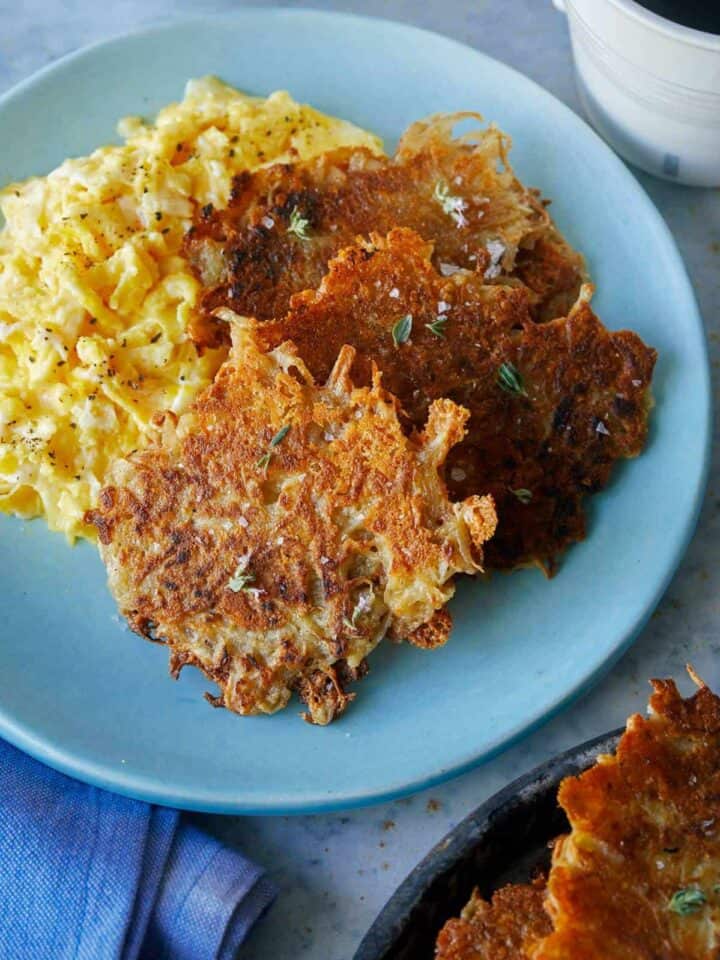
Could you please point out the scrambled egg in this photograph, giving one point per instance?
(96, 298)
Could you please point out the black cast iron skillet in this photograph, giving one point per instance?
(504, 841)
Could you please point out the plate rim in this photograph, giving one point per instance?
(147, 788)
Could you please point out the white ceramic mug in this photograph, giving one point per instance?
(650, 87)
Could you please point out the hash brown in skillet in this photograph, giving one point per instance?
(285, 222)
(637, 877)
(581, 394)
(280, 529)
(499, 929)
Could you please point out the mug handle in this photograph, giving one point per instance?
(560, 5)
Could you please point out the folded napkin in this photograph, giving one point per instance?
(89, 875)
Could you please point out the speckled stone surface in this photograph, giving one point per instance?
(335, 872)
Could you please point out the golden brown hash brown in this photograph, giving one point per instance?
(280, 529)
(583, 393)
(498, 930)
(638, 876)
(285, 222)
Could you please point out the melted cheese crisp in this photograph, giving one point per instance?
(95, 297)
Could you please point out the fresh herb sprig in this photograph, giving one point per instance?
(402, 330)
(276, 440)
(437, 327)
(509, 379)
(686, 901)
(242, 578)
(298, 225)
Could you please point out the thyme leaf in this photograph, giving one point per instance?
(242, 577)
(686, 901)
(438, 327)
(276, 440)
(402, 330)
(280, 435)
(509, 379)
(298, 225)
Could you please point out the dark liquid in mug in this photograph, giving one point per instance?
(698, 14)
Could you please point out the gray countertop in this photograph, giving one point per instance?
(336, 871)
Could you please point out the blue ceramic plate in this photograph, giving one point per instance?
(83, 694)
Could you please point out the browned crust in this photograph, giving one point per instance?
(434, 633)
(645, 824)
(274, 533)
(248, 258)
(498, 930)
(588, 390)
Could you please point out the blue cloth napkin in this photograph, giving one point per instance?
(89, 875)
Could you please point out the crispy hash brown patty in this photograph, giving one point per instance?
(285, 222)
(553, 406)
(280, 529)
(637, 877)
(497, 930)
